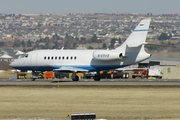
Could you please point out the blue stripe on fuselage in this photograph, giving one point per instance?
(86, 67)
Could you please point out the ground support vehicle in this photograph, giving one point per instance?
(114, 74)
(24, 74)
(155, 73)
(89, 75)
(60, 75)
(140, 73)
(147, 72)
(40, 74)
(79, 75)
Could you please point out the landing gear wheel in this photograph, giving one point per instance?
(76, 78)
(97, 77)
(127, 75)
(124, 76)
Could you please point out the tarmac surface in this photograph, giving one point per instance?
(89, 82)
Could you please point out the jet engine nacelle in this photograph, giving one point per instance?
(108, 55)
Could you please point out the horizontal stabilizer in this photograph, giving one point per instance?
(158, 45)
(148, 44)
(137, 44)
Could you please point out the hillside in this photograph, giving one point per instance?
(4, 66)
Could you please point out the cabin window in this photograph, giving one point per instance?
(51, 58)
(63, 57)
(55, 58)
(75, 58)
(67, 58)
(71, 57)
(59, 58)
(44, 58)
(48, 58)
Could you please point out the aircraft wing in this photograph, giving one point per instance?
(70, 69)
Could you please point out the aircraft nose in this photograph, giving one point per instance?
(12, 64)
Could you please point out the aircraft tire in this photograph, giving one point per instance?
(127, 75)
(124, 75)
(97, 77)
(76, 78)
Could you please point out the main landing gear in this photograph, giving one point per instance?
(97, 76)
(75, 77)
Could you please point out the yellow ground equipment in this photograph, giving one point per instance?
(40, 74)
(24, 74)
(81, 75)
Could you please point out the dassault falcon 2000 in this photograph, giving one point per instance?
(130, 52)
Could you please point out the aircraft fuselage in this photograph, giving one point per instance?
(48, 60)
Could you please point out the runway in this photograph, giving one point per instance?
(88, 82)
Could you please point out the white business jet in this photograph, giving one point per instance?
(130, 52)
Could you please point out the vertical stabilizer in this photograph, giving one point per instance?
(133, 47)
(138, 36)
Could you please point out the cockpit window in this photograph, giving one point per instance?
(22, 56)
(26, 56)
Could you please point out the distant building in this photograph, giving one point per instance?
(31, 38)
(9, 55)
(81, 47)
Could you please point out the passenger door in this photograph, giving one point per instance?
(34, 61)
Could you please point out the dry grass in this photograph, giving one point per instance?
(111, 102)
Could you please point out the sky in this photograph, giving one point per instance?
(89, 6)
